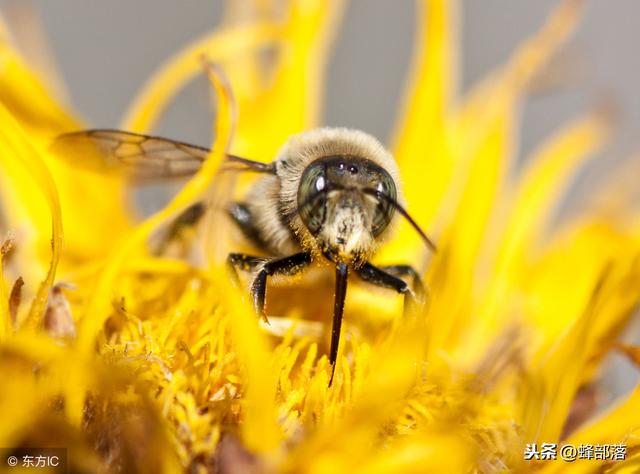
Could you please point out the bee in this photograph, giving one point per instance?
(330, 194)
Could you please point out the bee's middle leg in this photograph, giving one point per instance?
(241, 261)
(243, 218)
(187, 219)
(289, 265)
(385, 278)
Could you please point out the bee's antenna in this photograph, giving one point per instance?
(405, 214)
(379, 195)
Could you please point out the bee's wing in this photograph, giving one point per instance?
(142, 157)
(147, 158)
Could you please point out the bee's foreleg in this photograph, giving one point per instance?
(386, 279)
(290, 265)
(403, 271)
(342, 274)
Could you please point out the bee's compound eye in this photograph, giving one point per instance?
(312, 197)
(384, 210)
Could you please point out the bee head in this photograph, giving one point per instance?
(346, 204)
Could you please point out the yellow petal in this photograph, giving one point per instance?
(592, 246)
(292, 100)
(218, 46)
(260, 430)
(5, 317)
(530, 206)
(421, 142)
(98, 307)
(19, 155)
(559, 371)
(90, 222)
(618, 425)
(484, 135)
(27, 98)
(392, 374)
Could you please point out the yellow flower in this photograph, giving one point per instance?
(149, 363)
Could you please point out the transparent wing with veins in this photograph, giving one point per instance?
(142, 157)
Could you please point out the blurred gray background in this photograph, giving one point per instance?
(105, 50)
